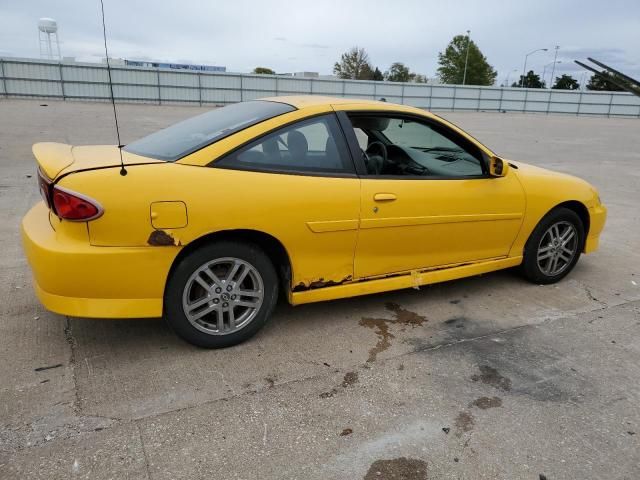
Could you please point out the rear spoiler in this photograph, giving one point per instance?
(52, 157)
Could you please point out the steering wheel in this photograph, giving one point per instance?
(375, 161)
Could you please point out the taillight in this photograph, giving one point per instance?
(44, 185)
(74, 206)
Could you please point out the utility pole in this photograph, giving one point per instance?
(553, 69)
(466, 60)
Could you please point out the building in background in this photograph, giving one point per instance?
(173, 66)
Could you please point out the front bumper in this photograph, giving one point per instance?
(72, 277)
(597, 219)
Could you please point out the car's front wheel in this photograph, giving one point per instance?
(221, 294)
(554, 247)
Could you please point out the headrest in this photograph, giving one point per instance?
(297, 142)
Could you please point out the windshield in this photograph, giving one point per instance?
(185, 137)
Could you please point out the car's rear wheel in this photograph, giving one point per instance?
(221, 294)
(554, 247)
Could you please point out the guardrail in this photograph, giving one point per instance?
(24, 78)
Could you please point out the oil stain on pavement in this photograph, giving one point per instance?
(490, 376)
(380, 326)
(397, 469)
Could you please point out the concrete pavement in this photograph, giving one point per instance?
(487, 377)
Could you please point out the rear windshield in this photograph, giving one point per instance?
(185, 137)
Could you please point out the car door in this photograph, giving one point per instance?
(299, 185)
(427, 201)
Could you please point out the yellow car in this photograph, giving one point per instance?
(316, 197)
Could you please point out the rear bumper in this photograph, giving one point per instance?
(72, 277)
(598, 217)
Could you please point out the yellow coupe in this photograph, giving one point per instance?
(316, 197)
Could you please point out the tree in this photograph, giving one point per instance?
(354, 64)
(452, 61)
(398, 72)
(596, 82)
(418, 78)
(264, 71)
(377, 75)
(566, 82)
(531, 80)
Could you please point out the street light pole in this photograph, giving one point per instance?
(506, 81)
(522, 84)
(553, 70)
(544, 70)
(466, 60)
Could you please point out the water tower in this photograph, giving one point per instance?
(48, 36)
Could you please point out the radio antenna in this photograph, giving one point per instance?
(123, 171)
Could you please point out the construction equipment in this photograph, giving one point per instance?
(614, 76)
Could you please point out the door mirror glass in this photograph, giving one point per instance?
(498, 167)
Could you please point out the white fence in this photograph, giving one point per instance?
(88, 81)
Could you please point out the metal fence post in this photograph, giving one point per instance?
(453, 105)
(526, 95)
(159, 94)
(61, 81)
(311, 86)
(549, 101)
(4, 80)
(579, 104)
(610, 103)
(343, 87)
(375, 95)
(200, 88)
(500, 102)
(241, 89)
(402, 95)
(277, 89)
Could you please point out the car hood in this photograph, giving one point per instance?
(55, 159)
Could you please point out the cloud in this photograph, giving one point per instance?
(306, 35)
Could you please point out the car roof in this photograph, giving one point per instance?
(304, 101)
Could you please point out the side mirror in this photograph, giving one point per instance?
(498, 167)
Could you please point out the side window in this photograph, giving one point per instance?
(397, 146)
(315, 145)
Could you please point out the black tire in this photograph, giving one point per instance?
(175, 315)
(530, 267)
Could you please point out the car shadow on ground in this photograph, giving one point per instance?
(155, 334)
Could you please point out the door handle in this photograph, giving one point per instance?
(385, 197)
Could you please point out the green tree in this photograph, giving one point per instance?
(398, 72)
(377, 75)
(452, 61)
(354, 64)
(264, 71)
(566, 82)
(530, 80)
(597, 83)
(418, 78)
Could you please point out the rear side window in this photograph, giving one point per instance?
(195, 133)
(316, 145)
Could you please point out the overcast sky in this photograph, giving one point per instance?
(299, 35)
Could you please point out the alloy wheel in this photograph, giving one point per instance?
(223, 296)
